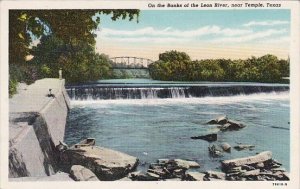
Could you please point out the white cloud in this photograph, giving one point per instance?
(147, 39)
(266, 23)
(171, 32)
(251, 37)
(206, 34)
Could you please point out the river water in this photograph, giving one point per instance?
(154, 128)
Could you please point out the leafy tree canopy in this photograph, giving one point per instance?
(67, 25)
(78, 61)
(170, 56)
(174, 65)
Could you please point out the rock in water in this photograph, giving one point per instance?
(232, 126)
(107, 164)
(214, 151)
(209, 137)
(226, 147)
(80, 173)
(261, 157)
(219, 120)
(244, 146)
(180, 163)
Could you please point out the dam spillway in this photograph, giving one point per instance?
(109, 91)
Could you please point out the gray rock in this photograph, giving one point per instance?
(251, 173)
(210, 137)
(62, 146)
(215, 174)
(231, 126)
(214, 151)
(186, 164)
(244, 147)
(235, 170)
(260, 165)
(107, 164)
(80, 173)
(162, 172)
(194, 176)
(142, 176)
(226, 147)
(261, 157)
(275, 176)
(178, 173)
(163, 161)
(248, 167)
(219, 120)
(278, 169)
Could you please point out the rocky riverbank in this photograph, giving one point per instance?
(92, 163)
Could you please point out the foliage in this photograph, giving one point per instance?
(12, 87)
(78, 61)
(170, 56)
(71, 27)
(67, 25)
(174, 65)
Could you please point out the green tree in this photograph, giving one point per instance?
(174, 55)
(173, 65)
(78, 61)
(67, 25)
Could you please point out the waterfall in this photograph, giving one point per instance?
(100, 92)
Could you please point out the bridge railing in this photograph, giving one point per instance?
(130, 62)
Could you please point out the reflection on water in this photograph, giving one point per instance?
(161, 128)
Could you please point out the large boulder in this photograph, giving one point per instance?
(107, 164)
(80, 173)
(261, 157)
(210, 137)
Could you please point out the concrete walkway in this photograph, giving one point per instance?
(33, 98)
(36, 125)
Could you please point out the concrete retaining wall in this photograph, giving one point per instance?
(37, 124)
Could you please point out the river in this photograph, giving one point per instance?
(151, 126)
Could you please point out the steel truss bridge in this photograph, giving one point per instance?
(127, 62)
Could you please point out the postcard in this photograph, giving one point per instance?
(168, 94)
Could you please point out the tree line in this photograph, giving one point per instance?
(178, 66)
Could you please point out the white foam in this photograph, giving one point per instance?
(262, 98)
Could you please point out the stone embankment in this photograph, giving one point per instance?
(36, 125)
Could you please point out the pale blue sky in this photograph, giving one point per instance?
(202, 34)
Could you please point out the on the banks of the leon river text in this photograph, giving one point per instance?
(207, 5)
